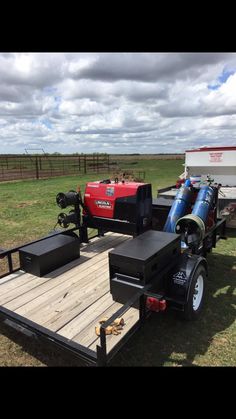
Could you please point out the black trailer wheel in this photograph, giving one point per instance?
(194, 305)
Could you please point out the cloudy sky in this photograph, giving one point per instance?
(116, 102)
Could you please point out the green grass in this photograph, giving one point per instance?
(28, 211)
(28, 208)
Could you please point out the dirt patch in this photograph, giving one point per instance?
(11, 223)
(25, 204)
(128, 175)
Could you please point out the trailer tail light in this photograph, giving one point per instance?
(153, 304)
(162, 305)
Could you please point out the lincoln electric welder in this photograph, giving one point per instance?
(121, 207)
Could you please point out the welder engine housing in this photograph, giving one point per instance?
(118, 206)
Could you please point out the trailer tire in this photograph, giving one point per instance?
(194, 306)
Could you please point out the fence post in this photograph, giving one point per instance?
(37, 167)
(85, 166)
(21, 175)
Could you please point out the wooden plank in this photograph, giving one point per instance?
(101, 239)
(88, 335)
(10, 277)
(61, 319)
(78, 323)
(40, 286)
(62, 310)
(46, 283)
(103, 245)
(56, 319)
(130, 317)
(75, 285)
(98, 239)
(14, 282)
(35, 298)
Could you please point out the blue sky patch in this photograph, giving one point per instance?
(58, 100)
(223, 77)
(49, 90)
(47, 123)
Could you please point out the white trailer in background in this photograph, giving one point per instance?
(218, 164)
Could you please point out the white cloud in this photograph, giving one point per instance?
(155, 102)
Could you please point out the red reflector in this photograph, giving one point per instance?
(152, 304)
(162, 305)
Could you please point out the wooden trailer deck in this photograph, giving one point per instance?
(72, 299)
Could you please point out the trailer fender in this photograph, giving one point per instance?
(180, 278)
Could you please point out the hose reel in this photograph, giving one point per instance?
(64, 220)
(192, 226)
(64, 200)
(192, 229)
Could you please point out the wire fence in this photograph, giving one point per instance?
(29, 166)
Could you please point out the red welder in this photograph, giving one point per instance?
(122, 207)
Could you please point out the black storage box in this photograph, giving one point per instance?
(145, 255)
(136, 262)
(46, 255)
(160, 210)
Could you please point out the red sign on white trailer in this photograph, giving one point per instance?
(216, 157)
(219, 162)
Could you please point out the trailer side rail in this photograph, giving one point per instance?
(74, 347)
(168, 188)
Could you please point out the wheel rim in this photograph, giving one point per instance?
(198, 292)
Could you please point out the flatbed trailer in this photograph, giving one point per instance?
(65, 306)
(62, 287)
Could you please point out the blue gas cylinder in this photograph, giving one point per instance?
(203, 202)
(178, 209)
(187, 183)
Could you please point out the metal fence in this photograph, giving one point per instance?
(14, 167)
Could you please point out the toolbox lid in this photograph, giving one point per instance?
(162, 202)
(146, 245)
(48, 244)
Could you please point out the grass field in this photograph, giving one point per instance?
(28, 211)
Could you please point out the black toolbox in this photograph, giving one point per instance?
(160, 210)
(46, 255)
(136, 262)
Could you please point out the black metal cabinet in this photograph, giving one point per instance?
(135, 263)
(44, 256)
